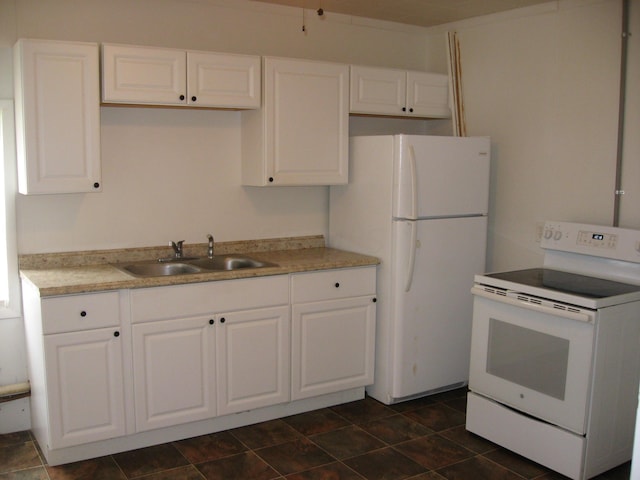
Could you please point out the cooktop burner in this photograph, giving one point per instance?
(588, 287)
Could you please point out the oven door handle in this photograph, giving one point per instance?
(548, 310)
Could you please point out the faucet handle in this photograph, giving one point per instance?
(210, 247)
(177, 248)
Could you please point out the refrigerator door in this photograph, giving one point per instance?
(431, 301)
(440, 176)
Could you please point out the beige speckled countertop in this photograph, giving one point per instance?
(81, 272)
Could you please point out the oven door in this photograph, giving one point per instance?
(533, 357)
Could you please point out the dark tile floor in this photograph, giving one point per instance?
(422, 439)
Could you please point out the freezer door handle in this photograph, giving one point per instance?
(413, 239)
(414, 182)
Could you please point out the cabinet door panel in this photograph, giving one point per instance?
(85, 382)
(253, 359)
(143, 75)
(174, 372)
(428, 94)
(57, 117)
(378, 90)
(307, 125)
(332, 346)
(222, 80)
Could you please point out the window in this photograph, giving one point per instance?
(9, 278)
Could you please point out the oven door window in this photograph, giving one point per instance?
(533, 359)
(520, 355)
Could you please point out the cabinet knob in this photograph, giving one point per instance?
(96, 185)
(222, 320)
(193, 99)
(411, 110)
(211, 321)
(270, 179)
(116, 333)
(83, 313)
(374, 299)
(337, 285)
(181, 97)
(404, 109)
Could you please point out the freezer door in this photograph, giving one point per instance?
(440, 176)
(431, 301)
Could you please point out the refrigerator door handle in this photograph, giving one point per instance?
(413, 239)
(414, 183)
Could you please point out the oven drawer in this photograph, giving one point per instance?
(551, 446)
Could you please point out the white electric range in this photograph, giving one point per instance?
(555, 351)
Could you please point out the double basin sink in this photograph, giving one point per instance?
(191, 265)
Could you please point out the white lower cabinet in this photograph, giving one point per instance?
(333, 331)
(75, 347)
(253, 359)
(126, 369)
(174, 372)
(192, 362)
(85, 386)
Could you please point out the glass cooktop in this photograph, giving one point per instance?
(588, 287)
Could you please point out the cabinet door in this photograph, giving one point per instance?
(380, 91)
(222, 80)
(174, 372)
(307, 124)
(253, 359)
(57, 87)
(143, 75)
(428, 94)
(85, 386)
(332, 346)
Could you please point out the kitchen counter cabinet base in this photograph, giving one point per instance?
(210, 383)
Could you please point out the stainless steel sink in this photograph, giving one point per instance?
(158, 269)
(186, 266)
(229, 263)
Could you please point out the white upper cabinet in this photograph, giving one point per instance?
(57, 91)
(158, 76)
(301, 135)
(384, 91)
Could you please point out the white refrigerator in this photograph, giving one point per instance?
(418, 203)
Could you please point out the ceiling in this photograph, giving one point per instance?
(425, 13)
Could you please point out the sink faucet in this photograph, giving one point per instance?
(177, 248)
(210, 248)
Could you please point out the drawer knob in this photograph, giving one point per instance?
(337, 285)
(211, 321)
(222, 320)
(83, 313)
(116, 334)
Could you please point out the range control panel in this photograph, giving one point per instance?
(596, 240)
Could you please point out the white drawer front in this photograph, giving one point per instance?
(148, 304)
(332, 284)
(80, 312)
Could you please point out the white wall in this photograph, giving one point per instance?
(544, 86)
